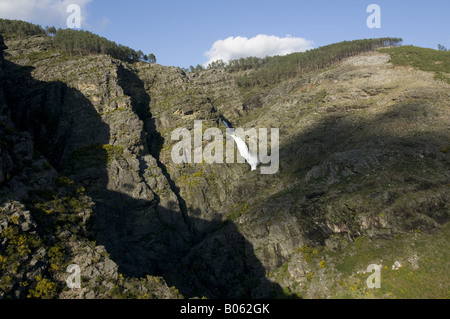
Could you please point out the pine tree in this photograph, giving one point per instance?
(151, 58)
(50, 30)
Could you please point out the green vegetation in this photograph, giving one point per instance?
(17, 247)
(85, 43)
(241, 64)
(423, 258)
(50, 30)
(422, 272)
(275, 69)
(12, 28)
(278, 68)
(18, 244)
(437, 61)
(74, 42)
(64, 212)
(39, 56)
(63, 218)
(95, 155)
(197, 68)
(442, 48)
(113, 151)
(309, 253)
(219, 64)
(138, 288)
(57, 255)
(64, 208)
(44, 289)
(236, 212)
(151, 58)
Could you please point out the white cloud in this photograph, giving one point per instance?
(260, 46)
(43, 12)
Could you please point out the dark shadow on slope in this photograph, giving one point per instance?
(375, 160)
(223, 265)
(241, 270)
(60, 119)
(383, 135)
(143, 237)
(134, 87)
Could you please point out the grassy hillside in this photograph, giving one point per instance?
(424, 59)
(413, 266)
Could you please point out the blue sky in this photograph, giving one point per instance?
(180, 32)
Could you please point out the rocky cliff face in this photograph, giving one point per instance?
(56, 149)
(87, 178)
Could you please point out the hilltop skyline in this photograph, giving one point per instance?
(183, 34)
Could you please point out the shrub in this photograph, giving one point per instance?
(44, 289)
(95, 155)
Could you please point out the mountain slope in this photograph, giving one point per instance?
(86, 169)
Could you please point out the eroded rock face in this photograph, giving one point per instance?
(100, 148)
